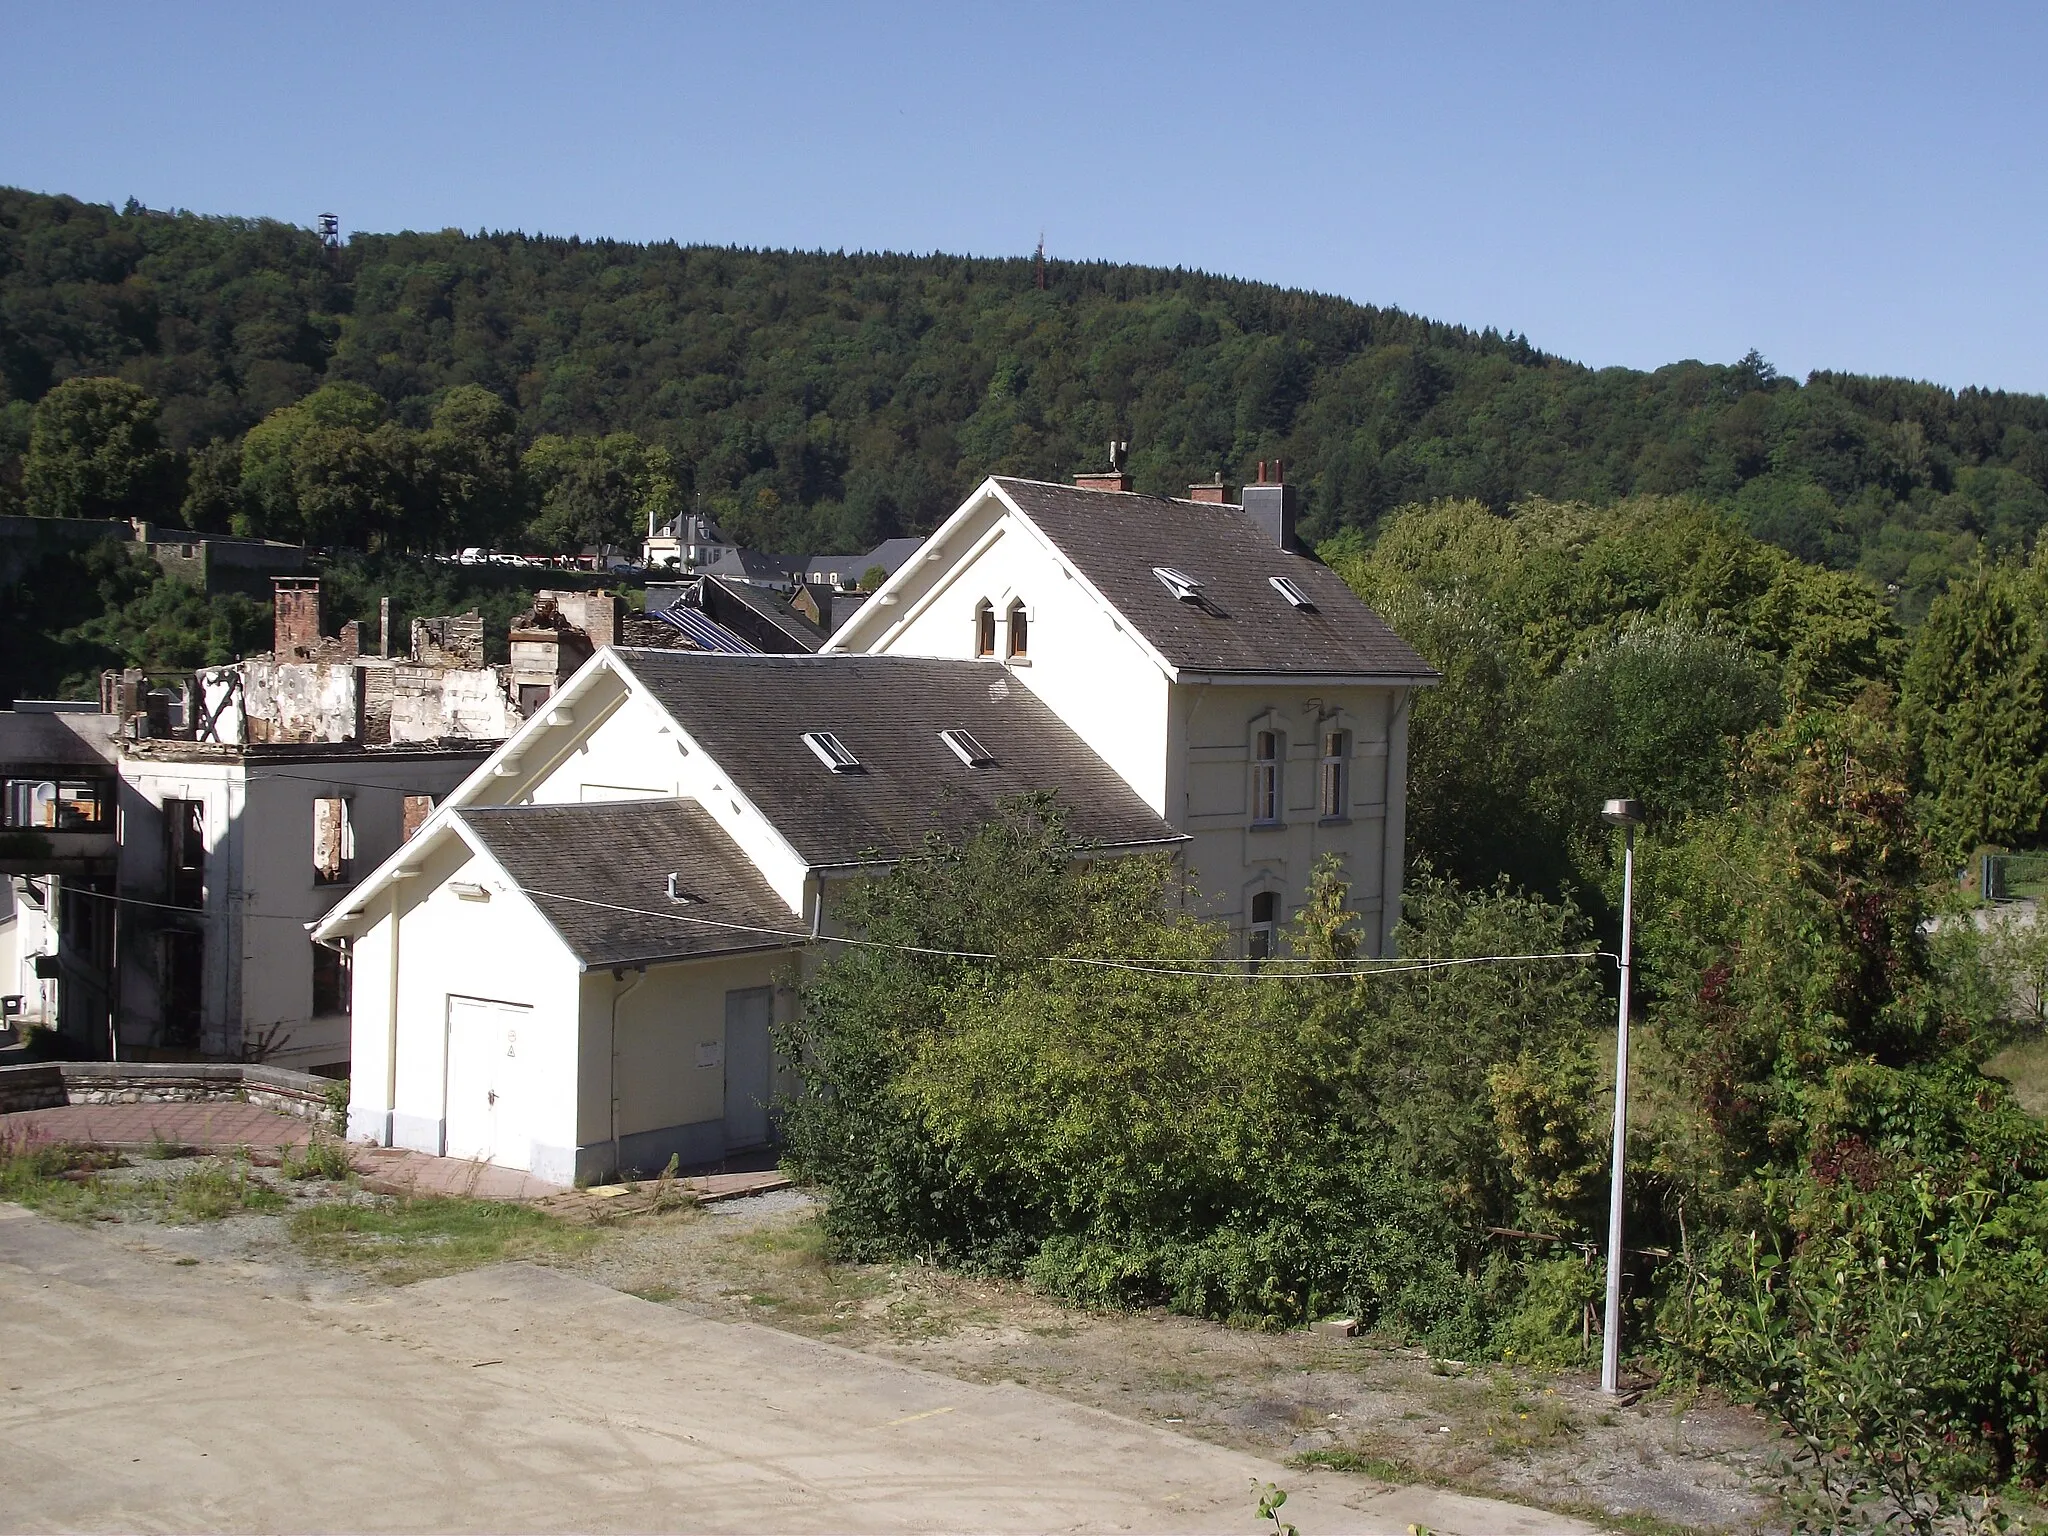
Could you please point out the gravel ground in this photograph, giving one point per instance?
(1386, 1414)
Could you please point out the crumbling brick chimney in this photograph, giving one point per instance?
(1116, 477)
(1271, 505)
(299, 615)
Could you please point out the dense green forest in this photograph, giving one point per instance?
(414, 389)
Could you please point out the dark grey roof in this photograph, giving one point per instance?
(768, 605)
(621, 853)
(889, 555)
(754, 565)
(1116, 538)
(750, 713)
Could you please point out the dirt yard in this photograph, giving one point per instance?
(1321, 1404)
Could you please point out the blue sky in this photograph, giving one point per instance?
(1857, 187)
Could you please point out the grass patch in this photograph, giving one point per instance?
(1382, 1469)
(417, 1239)
(57, 1180)
(209, 1192)
(2025, 1067)
(324, 1157)
(654, 1292)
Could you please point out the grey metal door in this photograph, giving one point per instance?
(749, 1067)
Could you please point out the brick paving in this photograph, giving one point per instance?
(209, 1126)
(220, 1125)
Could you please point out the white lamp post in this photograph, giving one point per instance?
(1628, 815)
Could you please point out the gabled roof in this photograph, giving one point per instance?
(750, 714)
(1116, 539)
(769, 606)
(889, 554)
(592, 859)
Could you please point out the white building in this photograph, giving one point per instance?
(575, 966)
(1237, 685)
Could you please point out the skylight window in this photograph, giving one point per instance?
(1179, 583)
(1285, 586)
(967, 749)
(831, 751)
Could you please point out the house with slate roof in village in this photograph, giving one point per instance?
(575, 966)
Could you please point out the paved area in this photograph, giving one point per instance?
(215, 1124)
(220, 1124)
(137, 1394)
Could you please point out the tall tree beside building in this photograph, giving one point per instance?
(1975, 701)
(470, 455)
(94, 451)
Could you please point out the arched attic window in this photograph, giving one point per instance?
(984, 628)
(1019, 630)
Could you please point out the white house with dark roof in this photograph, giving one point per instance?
(575, 965)
(1233, 681)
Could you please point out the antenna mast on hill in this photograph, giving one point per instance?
(330, 231)
(1041, 260)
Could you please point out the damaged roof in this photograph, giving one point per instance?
(751, 714)
(1117, 539)
(594, 859)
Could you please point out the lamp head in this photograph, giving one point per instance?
(1622, 813)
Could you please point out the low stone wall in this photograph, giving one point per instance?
(49, 1084)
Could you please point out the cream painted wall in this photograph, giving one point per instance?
(1232, 859)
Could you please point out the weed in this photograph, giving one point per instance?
(55, 1179)
(655, 1293)
(416, 1239)
(209, 1193)
(323, 1157)
(1382, 1469)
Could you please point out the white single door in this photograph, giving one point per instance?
(486, 1088)
(749, 1067)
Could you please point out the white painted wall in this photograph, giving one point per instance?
(500, 950)
(25, 932)
(260, 890)
(1094, 673)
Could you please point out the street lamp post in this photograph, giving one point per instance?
(1628, 815)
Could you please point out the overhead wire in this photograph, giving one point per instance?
(1151, 968)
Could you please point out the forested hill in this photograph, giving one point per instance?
(821, 400)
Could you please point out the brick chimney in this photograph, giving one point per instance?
(298, 616)
(1271, 505)
(1216, 491)
(1116, 477)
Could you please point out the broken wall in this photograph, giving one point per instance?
(432, 703)
(303, 701)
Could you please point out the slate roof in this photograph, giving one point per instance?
(622, 853)
(1116, 538)
(750, 713)
(771, 607)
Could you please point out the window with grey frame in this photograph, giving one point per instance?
(1262, 934)
(1333, 779)
(984, 628)
(1266, 759)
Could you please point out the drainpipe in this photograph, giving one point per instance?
(619, 991)
(398, 879)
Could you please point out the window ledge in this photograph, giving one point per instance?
(1269, 826)
(1334, 821)
(1018, 661)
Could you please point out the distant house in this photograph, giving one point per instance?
(574, 968)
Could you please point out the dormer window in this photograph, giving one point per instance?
(832, 752)
(967, 749)
(984, 628)
(1286, 587)
(1179, 583)
(1019, 631)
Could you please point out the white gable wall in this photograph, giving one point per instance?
(1093, 672)
(499, 950)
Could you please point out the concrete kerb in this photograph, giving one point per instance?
(54, 1084)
